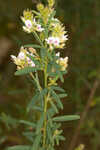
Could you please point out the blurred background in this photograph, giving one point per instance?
(82, 21)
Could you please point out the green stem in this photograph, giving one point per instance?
(45, 108)
(37, 82)
(37, 38)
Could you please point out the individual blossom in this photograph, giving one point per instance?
(63, 38)
(39, 28)
(53, 41)
(56, 41)
(63, 62)
(58, 54)
(50, 40)
(22, 60)
(28, 24)
(51, 3)
(27, 19)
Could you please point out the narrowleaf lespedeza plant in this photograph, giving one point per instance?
(43, 58)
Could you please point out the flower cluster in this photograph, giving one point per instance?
(49, 30)
(22, 60)
(50, 35)
(58, 35)
(39, 21)
(31, 24)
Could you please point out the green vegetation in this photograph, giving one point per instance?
(82, 21)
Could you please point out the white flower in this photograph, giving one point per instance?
(50, 40)
(58, 54)
(26, 29)
(29, 61)
(63, 38)
(56, 41)
(13, 57)
(63, 62)
(28, 24)
(39, 28)
(22, 60)
(21, 56)
(53, 41)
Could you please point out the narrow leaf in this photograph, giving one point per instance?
(57, 99)
(62, 95)
(32, 45)
(28, 123)
(40, 124)
(19, 147)
(66, 118)
(26, 70)
(33, 102)
(36, 142)
(57, 88)
(29, 135)
(53, 106)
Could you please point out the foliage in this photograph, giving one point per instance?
(82, 20)
(50, 34)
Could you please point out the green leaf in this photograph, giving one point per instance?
(49, 135)
(60, 137)
(36, 142)
(57, 99)
(29, 135)
(66, 118)
(62, 95)
(26, 70)
(53, 106)
(38, 108)
(42, 94)
(61, 76)
(19, 147)
(36, 98)
(43, 52)
(50, 113)
(57, 88)
(38, 38)
(8, 120)
(40, 124)
(33, 102)
(28, 123)
(32, 45)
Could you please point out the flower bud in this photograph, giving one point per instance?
(32, 50)
(51, 3)
(40, 7)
